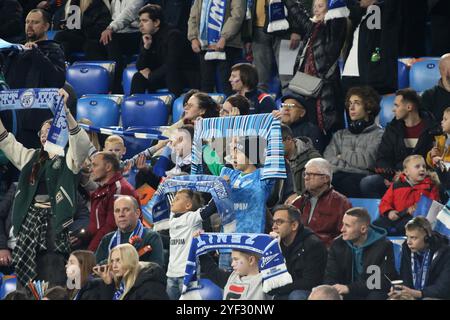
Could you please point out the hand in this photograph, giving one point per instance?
(196, 46)
(342, 290)
(411, 209)
(145, 72)
(104, 272)
(226, 178)
(147, 39)
(220, 45)
(277, 114)
(141, 162)
(30, 45)
(435, 152)
(234, 111)
(295, 41)
(65, 96)
(127, 168)
(43, 5)
(5, 257)
(274, 235)
(436, 160)
(106, 36)
(197, 233)
(291, 198)
(387, 183)
(405, 291)
(393, 215)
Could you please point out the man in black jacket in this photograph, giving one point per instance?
(305, 254)
(360, 259)
(373, 59)
(410, 132)
(166, 60)
(11, 17)
(429, 274)
(42, 66)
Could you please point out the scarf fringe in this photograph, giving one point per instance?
(215, 55)
(341, 12)
(279, 25)
(277, 281)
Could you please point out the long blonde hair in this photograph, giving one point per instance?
(129, 259)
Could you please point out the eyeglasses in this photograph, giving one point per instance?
(289, 106)
(312, 174)
(279, 222)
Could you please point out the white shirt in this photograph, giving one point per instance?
(181, 230)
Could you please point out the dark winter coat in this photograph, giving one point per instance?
(306, 259)
(326, 49)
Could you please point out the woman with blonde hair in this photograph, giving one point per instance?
(125, 278)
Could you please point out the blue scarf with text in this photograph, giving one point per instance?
(211, 23)
(271, 265)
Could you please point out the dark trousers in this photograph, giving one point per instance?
(121, 46)
(348, 183)
(74, 40)
(393, 228)
(175, 79)
(208, 70)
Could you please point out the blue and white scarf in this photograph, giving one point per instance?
(248, 14)
(420, 269)
(22, 99)
(157, 209)
(272, 264)
(212, 20)
(116, 238)
(263, 125)
(150, 134)
(7, 46)
(119, 292)
(277, 16)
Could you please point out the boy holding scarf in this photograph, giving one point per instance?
(214, 29)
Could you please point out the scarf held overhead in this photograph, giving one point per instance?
(272, 264)
(211, 23)
(23, 99)
(158, 211)
(263, 125)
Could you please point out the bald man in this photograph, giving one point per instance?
(437, 99)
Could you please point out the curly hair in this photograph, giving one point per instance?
(370, 98)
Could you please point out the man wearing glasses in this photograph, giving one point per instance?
(305, 254)
(321, 206)
(293, 114)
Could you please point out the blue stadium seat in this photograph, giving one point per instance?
(397, 243)
(424, 74)
(88, 79)
(117, 98)
(370, 204)
(78, 56)
(127, 76)
(102, 111)
(403, 74)
(207, 290)
(142, 110)
(110, 66)
(386, 113)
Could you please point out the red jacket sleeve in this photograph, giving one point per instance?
(434, 195)
(387, 202)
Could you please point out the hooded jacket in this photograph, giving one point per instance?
(351, 266)
(437, 283)
(401, 194)
(306, 259)
(304, 151)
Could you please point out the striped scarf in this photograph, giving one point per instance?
(119, 292)
(263, 125)
(116, 238)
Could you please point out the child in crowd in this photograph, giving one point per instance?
(399, 203)
(186, 216)
(116, 145)
(244, 283)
